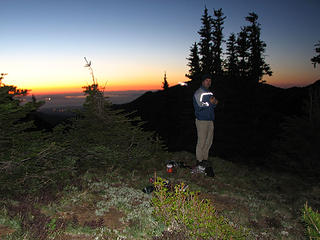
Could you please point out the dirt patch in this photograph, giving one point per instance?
(5, 231)
(112, 219)
(85, 216)
(222, 203)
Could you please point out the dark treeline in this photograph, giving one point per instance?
(256, 123)
(316, 59)
(244, 59)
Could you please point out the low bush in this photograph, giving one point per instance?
(312, 221)
(183, 208)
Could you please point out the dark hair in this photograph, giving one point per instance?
(205, 76)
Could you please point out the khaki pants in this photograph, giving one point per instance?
(205, 137)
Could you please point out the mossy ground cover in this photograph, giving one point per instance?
(268, 203)
(113, 206)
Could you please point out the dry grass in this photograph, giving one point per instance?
(114, 206)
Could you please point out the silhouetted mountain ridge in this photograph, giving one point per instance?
(248, 119)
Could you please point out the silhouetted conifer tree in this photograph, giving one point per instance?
(232, 56)
(205, 44)
(12, 112)
(165, 84)
(257, 64)
(242, 50)
(316, 59)
(194, 63)
(217, 38)
(107, 136)
(30, 159)
(102, 137)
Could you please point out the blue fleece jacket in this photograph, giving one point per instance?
(203, 108)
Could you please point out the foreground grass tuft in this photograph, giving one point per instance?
(312, 221)
(184, 208)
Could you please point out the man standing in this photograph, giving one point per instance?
(204, 103)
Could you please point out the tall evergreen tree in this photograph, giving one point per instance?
(165, 84)
(232, 55)
(316, 59)
(205, 44)
(217, 38)
(242, 50)
(194, 63)
(257, 64)
(12, 128)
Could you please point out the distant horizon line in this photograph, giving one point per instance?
(55, 92)
(76, 92)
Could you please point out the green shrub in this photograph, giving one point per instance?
(29, 159)
(199, 217)
(312, 221)
(100, 137)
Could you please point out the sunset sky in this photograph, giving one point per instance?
(132, 42)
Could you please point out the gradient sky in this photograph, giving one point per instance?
(132, 42)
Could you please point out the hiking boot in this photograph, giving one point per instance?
(209, 172)
(205, 163)
(198, 169)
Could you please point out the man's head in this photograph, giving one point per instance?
(206, 81)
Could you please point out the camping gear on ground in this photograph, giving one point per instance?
(169, 168)
(148, 189)
(203, 167)
(173, 165)
(183, 165)
(165, 182)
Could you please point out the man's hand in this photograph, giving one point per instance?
(213, 100)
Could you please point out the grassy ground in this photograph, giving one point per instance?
(113, 206)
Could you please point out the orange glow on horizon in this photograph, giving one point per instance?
(108, 88)
(133, 83)
(279, 82)
(146, 82)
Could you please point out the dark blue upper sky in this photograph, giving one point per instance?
(134, 41)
